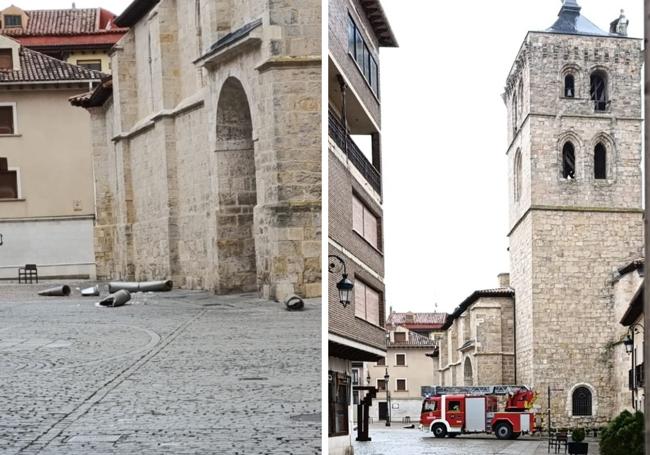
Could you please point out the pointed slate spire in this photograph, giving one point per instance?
(571, 22)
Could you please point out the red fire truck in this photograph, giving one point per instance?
(450, 411)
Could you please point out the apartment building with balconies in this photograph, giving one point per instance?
(357, 31)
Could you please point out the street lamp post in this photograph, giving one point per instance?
(629, 348)
(386, 378)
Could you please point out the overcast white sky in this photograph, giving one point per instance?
(444, 140)
(115, 6)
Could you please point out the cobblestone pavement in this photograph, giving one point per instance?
(400, 441)
(182, 372)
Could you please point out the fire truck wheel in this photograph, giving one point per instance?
(503, 430)
(439, 430)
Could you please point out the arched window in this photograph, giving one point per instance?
(569, 86)
(520, 100)
(468, 372)
(581, 402)
(598, 90)
(517, 176)
(568, 161)
(515, 111)
(600, 161)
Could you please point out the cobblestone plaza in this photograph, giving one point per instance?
(171, 373)
(397, 441)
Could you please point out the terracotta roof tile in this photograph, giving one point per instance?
(37, 67)
(83, 21)
(417, 318)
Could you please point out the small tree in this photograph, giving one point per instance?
(578, 435)
(623, 435)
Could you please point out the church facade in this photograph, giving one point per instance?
(207, 147)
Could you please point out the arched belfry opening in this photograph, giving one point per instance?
(568, 161)
(236, 191)
(468, 372)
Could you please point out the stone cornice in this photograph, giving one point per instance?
(559, 208)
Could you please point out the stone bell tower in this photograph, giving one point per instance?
(573, 98)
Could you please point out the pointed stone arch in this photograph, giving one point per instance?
(236, 191)
(608, 149)
(468, 372)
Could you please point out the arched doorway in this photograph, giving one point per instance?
(469, 374)
(236, 191)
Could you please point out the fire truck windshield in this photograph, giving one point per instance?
(429, 406)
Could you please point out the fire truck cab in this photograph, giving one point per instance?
(451, 414)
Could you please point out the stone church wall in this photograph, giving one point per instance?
(195, 195)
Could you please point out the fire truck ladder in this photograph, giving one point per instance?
(478, 390)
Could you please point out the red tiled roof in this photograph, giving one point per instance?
(69, 40)
(37, 67)
(414, 340)
(57, 22)
(417, 321)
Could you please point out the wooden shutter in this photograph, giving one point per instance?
(357, 215)
(359, 300)
(370, 228)
(372, 306)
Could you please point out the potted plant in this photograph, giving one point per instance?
(576, 446)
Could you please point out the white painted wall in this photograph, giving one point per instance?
(59, 247)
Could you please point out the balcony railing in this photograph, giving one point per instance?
(338, 134)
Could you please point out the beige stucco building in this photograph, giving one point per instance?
(46, 190)
(410, 373)
(207, 147)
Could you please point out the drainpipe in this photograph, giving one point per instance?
(344, 115)
(646, 303)
(514, 323)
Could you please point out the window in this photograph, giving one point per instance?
(339, 400)
(569, 86)
(515, 110)
(430, 406)
(381, 384)
(95, 65)
(517, 175)
(401, 385)
(581, 401)
(520, 100)
(399, 337)
(598, 90)
(13, 21)
(366, 303)
(8, 181)
(6, 59)
(7, 120)
(600, 161)
(381, 362)
(400, 360)
(359, 51)
(453, 405)
(568, 161)
(364, 222)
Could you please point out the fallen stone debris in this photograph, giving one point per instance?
(116, 299)
(63, 290)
